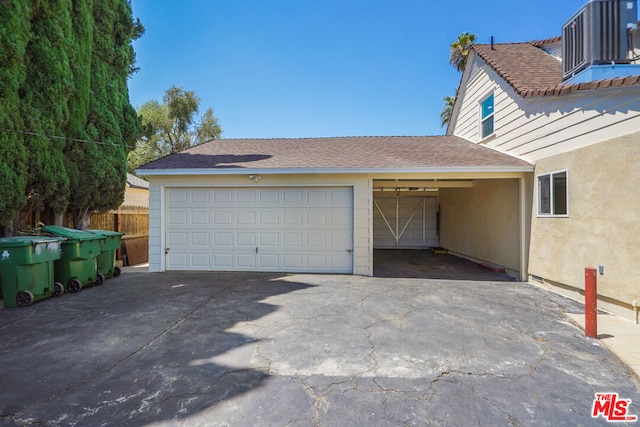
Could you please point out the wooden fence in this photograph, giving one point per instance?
(135, 223)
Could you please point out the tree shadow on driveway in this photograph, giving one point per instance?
(140, 348)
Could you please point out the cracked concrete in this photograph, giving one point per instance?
(302, 350)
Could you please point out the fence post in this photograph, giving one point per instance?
(590, 302)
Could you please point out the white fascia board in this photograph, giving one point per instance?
(308, 171)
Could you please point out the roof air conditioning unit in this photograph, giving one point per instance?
(597, 34)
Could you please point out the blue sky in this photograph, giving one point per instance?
(318, 68)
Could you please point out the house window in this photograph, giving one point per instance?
(552, 194)
(486, 116)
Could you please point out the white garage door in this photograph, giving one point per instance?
(404, 222)
(260, 229)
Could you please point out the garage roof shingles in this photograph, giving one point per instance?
(378, 152)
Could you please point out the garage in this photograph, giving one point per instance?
(289, 229)
(323, 205)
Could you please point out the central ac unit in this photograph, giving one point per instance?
(597, 34)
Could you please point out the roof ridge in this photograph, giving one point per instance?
(324, 137)
(539, 43)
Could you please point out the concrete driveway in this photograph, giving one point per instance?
(270, 349)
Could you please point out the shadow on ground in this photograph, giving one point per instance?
(426, 264)
(137, 349)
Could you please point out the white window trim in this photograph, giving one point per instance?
(492, 115)
(551, 215)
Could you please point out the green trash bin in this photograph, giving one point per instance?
(77, 267)
(26, 269)
(108, 248)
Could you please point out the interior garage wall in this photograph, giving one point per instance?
(362, 239)
(602, 227)
(483, 222)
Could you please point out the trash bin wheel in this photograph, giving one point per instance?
(99, 279)
(116, 271)
(24, 298)
(58, 289)
(74, 285)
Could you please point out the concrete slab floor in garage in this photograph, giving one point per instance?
(273, 349)
(427, 264)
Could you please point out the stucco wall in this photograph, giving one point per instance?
(136, 197)
(362, 246)
(483, 222)
(603, 226)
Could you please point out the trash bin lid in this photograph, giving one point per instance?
(106, 233)
(70, 233)
(22, 241)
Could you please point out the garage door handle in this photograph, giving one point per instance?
(256, 249)
(166, 251)
(350, 250)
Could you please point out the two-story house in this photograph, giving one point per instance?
(571, 106)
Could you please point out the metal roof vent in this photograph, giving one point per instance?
(597, 34)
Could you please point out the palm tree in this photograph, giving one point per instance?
(460, 50)
(447, 110)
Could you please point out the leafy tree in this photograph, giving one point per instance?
(171, 126)
(447, 110)
(65, 117)
(459, 50)
(14, 36)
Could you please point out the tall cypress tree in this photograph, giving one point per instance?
(14, 36)
(44, 103)
(111, 120)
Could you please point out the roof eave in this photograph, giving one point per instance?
(309, 171)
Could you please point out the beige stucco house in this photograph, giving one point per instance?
(538, 173)
(577, 119)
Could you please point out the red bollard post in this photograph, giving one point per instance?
(590, 302)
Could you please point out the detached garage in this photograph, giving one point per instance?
(322, 205)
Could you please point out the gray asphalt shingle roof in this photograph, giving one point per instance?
(377, 152)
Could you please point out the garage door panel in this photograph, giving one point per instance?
(200, 260)
(317, 240)
(267, 229)
(246, 197)
(293, 217)
(222, 197)
(246, 261)
(177, 239)
(341, 198)
(200, 218)
(292, 240)
(177, 197)
(270, 217)
(269, 197)
(176, 260)
(201, 239)
(222, 262)
(177, 217)
(246, 218)
(246, 239)
(200, 197)
(292, 262)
